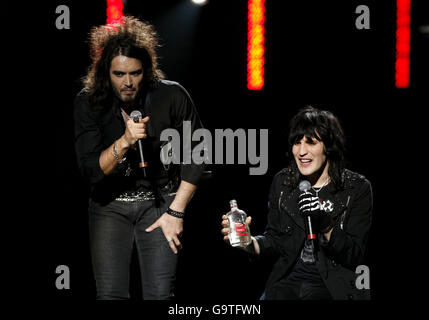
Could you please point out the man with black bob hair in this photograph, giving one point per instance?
(316, 264)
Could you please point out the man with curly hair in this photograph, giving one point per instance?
(127, 206)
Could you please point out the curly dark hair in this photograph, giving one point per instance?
(322, 125)
(132, 38)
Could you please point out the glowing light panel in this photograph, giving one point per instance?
(114, 11)
(402, 62)
(255, 44)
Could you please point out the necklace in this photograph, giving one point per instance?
(126, 117)
(318, 189)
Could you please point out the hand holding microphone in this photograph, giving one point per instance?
(309, 206)
(134, 131)
(136, 128)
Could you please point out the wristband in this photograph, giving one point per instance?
(176, 214)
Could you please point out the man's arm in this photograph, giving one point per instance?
(133, 132)
(107, 160)
(183, 110)
(183, 196)
(347, 246)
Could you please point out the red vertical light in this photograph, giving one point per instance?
(114, 11)
(255, 44)
(402, 63)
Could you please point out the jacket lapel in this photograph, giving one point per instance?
(339, 198)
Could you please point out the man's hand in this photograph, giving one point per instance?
(135, 131)
(225, 227)
(172, 229)
(252, 248)
(309, 206)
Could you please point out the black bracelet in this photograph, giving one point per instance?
(176, 214)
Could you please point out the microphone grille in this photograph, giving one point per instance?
(135, 114)
(304, 185)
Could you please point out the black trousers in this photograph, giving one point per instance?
(297, 289)
(113, 229)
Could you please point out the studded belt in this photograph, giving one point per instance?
(141, 196)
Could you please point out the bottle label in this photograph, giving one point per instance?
(240, 229)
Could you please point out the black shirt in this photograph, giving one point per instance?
(305, 275)
(167, 104)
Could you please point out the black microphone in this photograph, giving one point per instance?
(136, 115)
(304, 186)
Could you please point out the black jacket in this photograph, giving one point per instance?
(285, 235)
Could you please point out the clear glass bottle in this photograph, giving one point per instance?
(239, 234)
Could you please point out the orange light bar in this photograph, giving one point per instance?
(255, 44)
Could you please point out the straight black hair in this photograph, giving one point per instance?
(322, 125)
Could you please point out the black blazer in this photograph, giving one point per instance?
(285, 234)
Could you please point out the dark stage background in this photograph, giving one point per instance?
(314, 55)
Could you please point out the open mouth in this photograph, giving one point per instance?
(305, 162)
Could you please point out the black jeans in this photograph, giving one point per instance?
(113, 228)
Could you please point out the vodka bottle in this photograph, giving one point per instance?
(239, 234)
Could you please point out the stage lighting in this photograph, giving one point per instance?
(403, 40)
(255, 44)
(200, 2)
(114, 11)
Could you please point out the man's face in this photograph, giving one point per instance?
(309, 154)
(126, 75)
